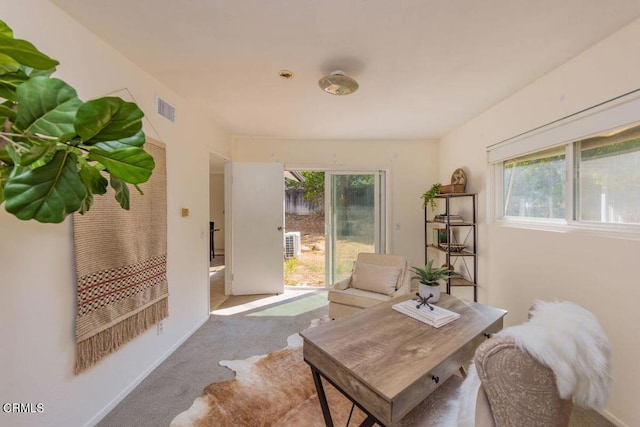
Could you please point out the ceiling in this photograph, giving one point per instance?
(424, 66)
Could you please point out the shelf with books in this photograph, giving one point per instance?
(459, 281)
(457, 219)
(457, 224)
(453, 253)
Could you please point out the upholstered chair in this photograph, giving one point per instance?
(515, 386)
(528, 375)
(375, 278)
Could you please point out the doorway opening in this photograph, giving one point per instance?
(304, 262)
(216, 234)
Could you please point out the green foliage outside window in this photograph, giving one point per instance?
(312, 185)
(609, 179)
(535, 188)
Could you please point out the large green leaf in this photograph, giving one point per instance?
(122, 191)
(25, 53)
(13, 80)
(48, 193)
(10, 81)
(7, 92)
(11, 153)
(5, 157)
(136, 140)
(86, 203)
(93, 179)
(34, 72)
(7, 111)
(36, 152)
(108, 119)
(8, 64)
(5, 30)
(46, 106)
(133, 165)
(5, 172)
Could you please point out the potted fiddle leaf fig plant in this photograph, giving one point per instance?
(429, 278)
(57, 151)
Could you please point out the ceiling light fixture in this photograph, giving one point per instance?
(337, 83)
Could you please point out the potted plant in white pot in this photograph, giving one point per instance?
(429, 278)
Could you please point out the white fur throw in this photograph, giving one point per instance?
(461, 411)
(562, 336)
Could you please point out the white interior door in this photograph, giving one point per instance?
(257, 228)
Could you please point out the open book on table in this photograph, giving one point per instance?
(437, 317)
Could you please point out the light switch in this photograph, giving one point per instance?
(185, 211)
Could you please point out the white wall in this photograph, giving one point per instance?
(518, 266)
(216, 208)
(411, 165)
(37, 265)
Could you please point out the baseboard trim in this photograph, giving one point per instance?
(609, 416)
(125, 392)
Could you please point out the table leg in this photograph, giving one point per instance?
(368, 422)
(322, 397)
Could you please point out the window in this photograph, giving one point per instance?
(582, 170)
(534, 185)
(608, 178)
(604, 188)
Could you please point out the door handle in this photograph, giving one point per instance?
(280, 228)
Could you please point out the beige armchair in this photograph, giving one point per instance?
(375, 278)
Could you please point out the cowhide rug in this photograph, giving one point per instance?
(274, 389)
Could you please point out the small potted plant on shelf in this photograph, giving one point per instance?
(429, 278)
(458, 184)
(429, 196)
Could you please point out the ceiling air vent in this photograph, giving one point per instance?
(165, 109)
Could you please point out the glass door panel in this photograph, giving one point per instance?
(354, 219)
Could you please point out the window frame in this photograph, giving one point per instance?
(567, 224)
(599, 119)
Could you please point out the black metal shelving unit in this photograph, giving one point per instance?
(470, 231)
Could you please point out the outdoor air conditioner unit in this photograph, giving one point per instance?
(292, 244)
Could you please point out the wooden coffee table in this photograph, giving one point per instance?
(387, 362)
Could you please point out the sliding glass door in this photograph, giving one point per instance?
(354, 219)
